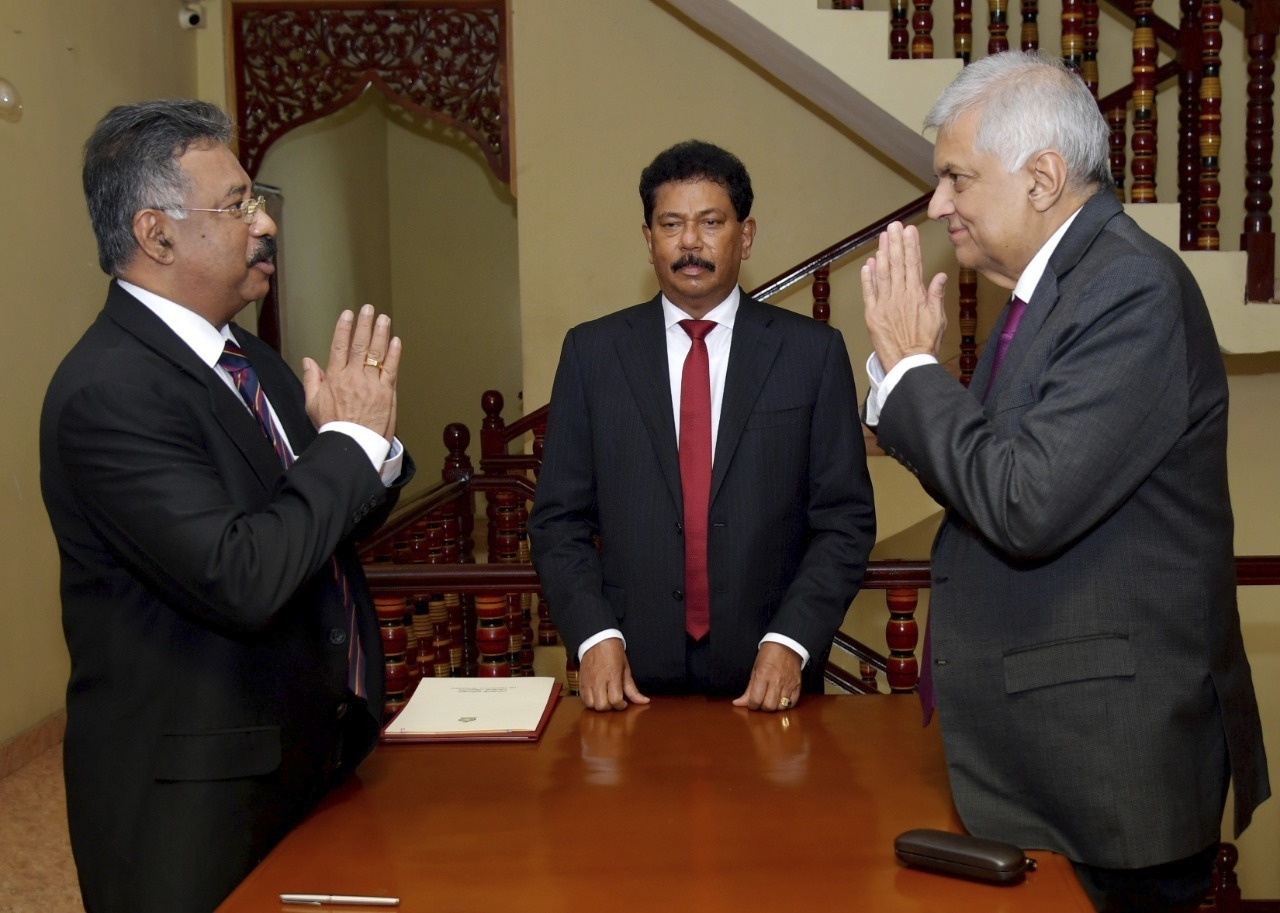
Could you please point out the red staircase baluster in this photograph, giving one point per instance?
(1144, 105)
(822, 294)
(1262, 21)
(997, 26)
(1030, 26)
(1210, 125)
(922, 24)
(1189, 123)
(390, 610)
(898, 37)
(1089, 70)
(962, 29)
(902, 634)
(1073, 34)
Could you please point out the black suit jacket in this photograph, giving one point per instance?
(204, 626)
(1092, 684)
(791, 521)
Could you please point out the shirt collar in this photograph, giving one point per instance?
(199, 334)
(1030, 277)
(723, 313)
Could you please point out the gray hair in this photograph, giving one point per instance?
(1027, 103)
(131, 163)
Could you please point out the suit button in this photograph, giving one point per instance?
(337, 636)
(677, 595)
(679, 528)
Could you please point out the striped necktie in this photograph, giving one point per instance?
(234, 362)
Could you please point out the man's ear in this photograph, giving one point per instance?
(150, 230)
(1049, 179)
(748, 236)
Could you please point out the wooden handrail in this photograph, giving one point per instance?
(840, 249)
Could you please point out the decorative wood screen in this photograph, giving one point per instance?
(297, 62)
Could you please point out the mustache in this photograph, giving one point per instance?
(265, 252)
(691, 260)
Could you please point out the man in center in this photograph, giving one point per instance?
(704, 512)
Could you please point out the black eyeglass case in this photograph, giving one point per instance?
(963, 855)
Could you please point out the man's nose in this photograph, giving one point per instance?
(263, 224)
(940, 203)
(690, 236)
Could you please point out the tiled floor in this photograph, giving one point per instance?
(36, 871)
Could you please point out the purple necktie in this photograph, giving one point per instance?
(235, 363)
(695, 475)
(1017, 307)
(928, 700)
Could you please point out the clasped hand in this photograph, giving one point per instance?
(359, 383)
(903, 317)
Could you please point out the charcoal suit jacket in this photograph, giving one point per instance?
(205, 627)
(1091, 680)
(791, 513)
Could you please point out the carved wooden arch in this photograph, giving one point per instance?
(446, 60)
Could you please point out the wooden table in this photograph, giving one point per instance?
(686, 804)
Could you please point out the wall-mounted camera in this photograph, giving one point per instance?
(191, 16)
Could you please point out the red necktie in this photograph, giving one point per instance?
(235, 363)
(695, 476)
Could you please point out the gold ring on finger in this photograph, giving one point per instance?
(372, 361)
(784, 703)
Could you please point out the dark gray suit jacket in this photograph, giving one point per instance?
(1091, 680)
(791, 522)
(200, 611)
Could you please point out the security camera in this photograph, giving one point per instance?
(191, 16)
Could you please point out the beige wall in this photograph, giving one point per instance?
(71, 61)
(334, 236)
(455, 286)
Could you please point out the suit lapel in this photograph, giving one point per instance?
(225, 406)
(643, 354)
(751, 356)
(1096, 212)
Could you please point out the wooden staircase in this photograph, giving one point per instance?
(840, 60)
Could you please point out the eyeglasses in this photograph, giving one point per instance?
(245, 209)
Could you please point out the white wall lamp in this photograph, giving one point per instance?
(10, 102)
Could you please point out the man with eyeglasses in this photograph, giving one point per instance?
(225, 656)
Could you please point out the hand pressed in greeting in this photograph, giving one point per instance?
(903, 316)
(359, 384)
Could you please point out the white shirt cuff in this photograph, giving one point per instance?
(595, 639)
(880, 385)
(386, 458)
(789, 644)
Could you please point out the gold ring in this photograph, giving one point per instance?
(372, 361)
(784, 703)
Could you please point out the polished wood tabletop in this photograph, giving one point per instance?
(683, 804)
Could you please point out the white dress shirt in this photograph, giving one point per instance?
(208, 342)
(718, 343)
(880, 384)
